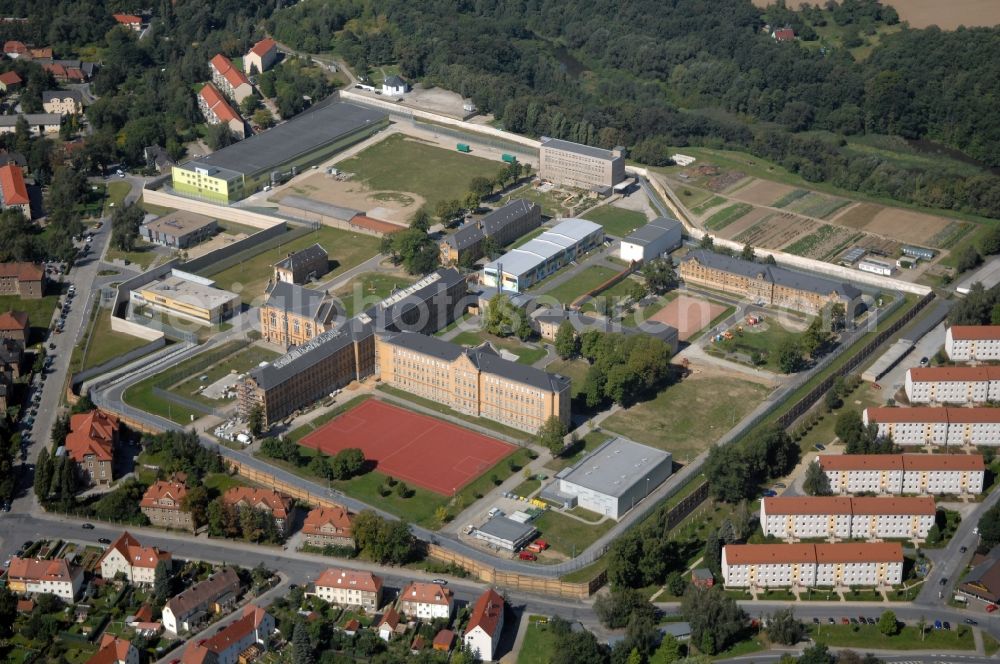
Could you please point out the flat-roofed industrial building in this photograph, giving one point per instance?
(520, 268)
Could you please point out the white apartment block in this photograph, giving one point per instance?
(805, 565)
(925, 425)
(952, 474)
(350, 588)
(31, 576)
(958, 385)
(964, 343)
(847, 518)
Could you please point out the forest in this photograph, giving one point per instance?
(654, 76)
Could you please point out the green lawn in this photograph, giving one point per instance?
(404, 164)
(576, 370)
(238, 362)
(676, 419)
(368, 289)
(158, 210)
(869, 636)
(526, 488)
(539, 645)
(105, 344)
(142, 255)
(616, 221)
(578, 450)
(116, 193)
(766, 343)
(582, 282)
(554, 203)
(39, 312)
(567, 535)
(525, 354)
(219, 483)
(249, 278)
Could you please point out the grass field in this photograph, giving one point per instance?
(616, 221)
(368, 289)
(567, 535)
(575, 370)
(525, 354)
(39, 312)
(582, 282)
(143, 255)
(705, 206)
(766, 343)
(434, 173)
(676, 419)
(106, 344)
(539, 645)
(249, 278)
(116, 193)
(578, 450)
(869, 636)
(554, 203)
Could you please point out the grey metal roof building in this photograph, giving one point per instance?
(505, 533)
(294, 299)
(775, 274)
(655, 238)
(490, 225)
(542, 255)
(614, 477)
(326, 122)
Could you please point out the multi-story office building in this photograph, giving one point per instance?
(964, 343)
(954, 474)
(927, 425)
(536, 259)
(476, 381)
(806, 565)
(581, 166)
(766, 284)
(350, 588)
(293, 315)
(503, 225)
(959, 385)
(847, 518)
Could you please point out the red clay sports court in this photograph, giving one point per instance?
(415, 448)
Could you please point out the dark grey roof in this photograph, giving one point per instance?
(775, 274)
(309, 354)
(491, 224)
(32, 118)
(578, 148)
(308, 254)
(15, 158)
(582, 322)
(295, 299)
(486, 358)
(308, 204)
(443, 350)
(394, 81)
(324, 123)
(11, 351)
(403, 300)
(506, 529)
(49, 95)
(653, 231)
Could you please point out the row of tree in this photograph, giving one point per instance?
(735, 472)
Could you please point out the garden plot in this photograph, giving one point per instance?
(824, 241)
(746, 221)
(764, 192)
(819, 206)
(777, 231)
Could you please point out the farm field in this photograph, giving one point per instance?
(249, 278)
(675, 420)
(726, 216)
(616, 221)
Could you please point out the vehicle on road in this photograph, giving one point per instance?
(963, 549)
(943, 581)
(820, 446)
(937, 624)
(440, 582)
(990, 608)
(103, 540)
(87, 526)
(27, 544)
(970, 621)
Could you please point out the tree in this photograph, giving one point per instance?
(716, 620)
(60, 429)
(8, 609)
(747, 253)
(447, 210)
(707, 242)
(43, 474)
(255, 420)
(676, 583)
(816, 654)
(887, 624)
(263, 117)
(659, 275)
(302, 652)
(161, 582)
(125, 224)
(618, 607)
(481, 186)
(989, 527)
(783, 627)
(566, 342)
(634, 657)
(249, 104)
(490, 248)
(219, 136)
(967, 258)
(196, 502)
(551, 435)
(816, 483)
(922, 627)
(668, 652)
(790, 357)
(503, 318)
(420, 220)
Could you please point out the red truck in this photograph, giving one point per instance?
(527, 555)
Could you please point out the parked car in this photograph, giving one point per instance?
(970, 621)
(819, 447)
(990, 608)
(527, 555)
(946, 624)
(943, 581)
(845, 621)
(937, 624)
(815, 621)
(963, 549)
(770, 494)
(104, 540)
(924, 361)
(440, 582)
(831, 621)
(87, 526)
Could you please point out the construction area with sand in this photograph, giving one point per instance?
(392, 206)
(690, 315)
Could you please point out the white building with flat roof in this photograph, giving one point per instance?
(656, 238)
(965, 343)
(952, 474)
(614, 477)
(557, 247)
(187, 296)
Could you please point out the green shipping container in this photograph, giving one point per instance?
(462, 147)
(509, 158)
